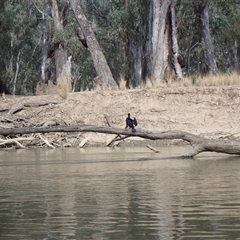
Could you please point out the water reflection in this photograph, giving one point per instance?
(108, 193)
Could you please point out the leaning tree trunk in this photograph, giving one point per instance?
(104, 78)
(164, 42)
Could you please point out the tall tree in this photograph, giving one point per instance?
(164, 42)
(18, 28)
(149, 36)
(137, 41)
(224, 28)
(104, 78)
(62, 61)
(45, 16)
(201, 9)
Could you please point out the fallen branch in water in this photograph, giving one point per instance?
(199, 144)
(153, 149)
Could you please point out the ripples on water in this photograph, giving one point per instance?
(118, 194)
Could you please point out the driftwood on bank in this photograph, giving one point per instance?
(45, 141)
(199, 144)
(15, 141)
(20, 106)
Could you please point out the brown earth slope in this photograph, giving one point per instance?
(213, 112)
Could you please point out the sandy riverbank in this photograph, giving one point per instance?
(213, 112)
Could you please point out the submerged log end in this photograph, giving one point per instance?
(153, 149)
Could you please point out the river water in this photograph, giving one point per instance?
(121, 193)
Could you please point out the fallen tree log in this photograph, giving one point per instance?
(199, 144)
(20, 106)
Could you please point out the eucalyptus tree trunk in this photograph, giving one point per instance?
(141, 47)
(104, 78)
(44, 46)
(127, 61)
(235, 54)
(62, 62)
(16, 72)
(45, 29)
(175, 49)
(134, 42)
(164, 42)
(136, 50)
(60, 48)
(147, 48)
(160, 39)
(202, 14)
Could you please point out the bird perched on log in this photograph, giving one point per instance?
(131, 123)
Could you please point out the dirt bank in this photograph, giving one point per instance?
(208, 111)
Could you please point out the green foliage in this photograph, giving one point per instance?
(224, 27)
(19, 26)
(117, 24)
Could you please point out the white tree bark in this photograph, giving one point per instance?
(165, 49)
(16, 72)
(44, 46)
(44, 42)
(175, 48)
(160, 39)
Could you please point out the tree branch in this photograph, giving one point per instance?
(199, 144)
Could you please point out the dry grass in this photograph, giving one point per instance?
(219, 80)
(63, 86)
(122, 84)
(64, 91)
(46, 89)
(223, 79)
(148, 84)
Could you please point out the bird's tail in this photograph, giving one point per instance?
(135, 122)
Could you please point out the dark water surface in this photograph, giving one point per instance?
(103, 193)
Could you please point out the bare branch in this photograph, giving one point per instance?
(199, 144)
(16, 141)
(42, 13)
(45, 141)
